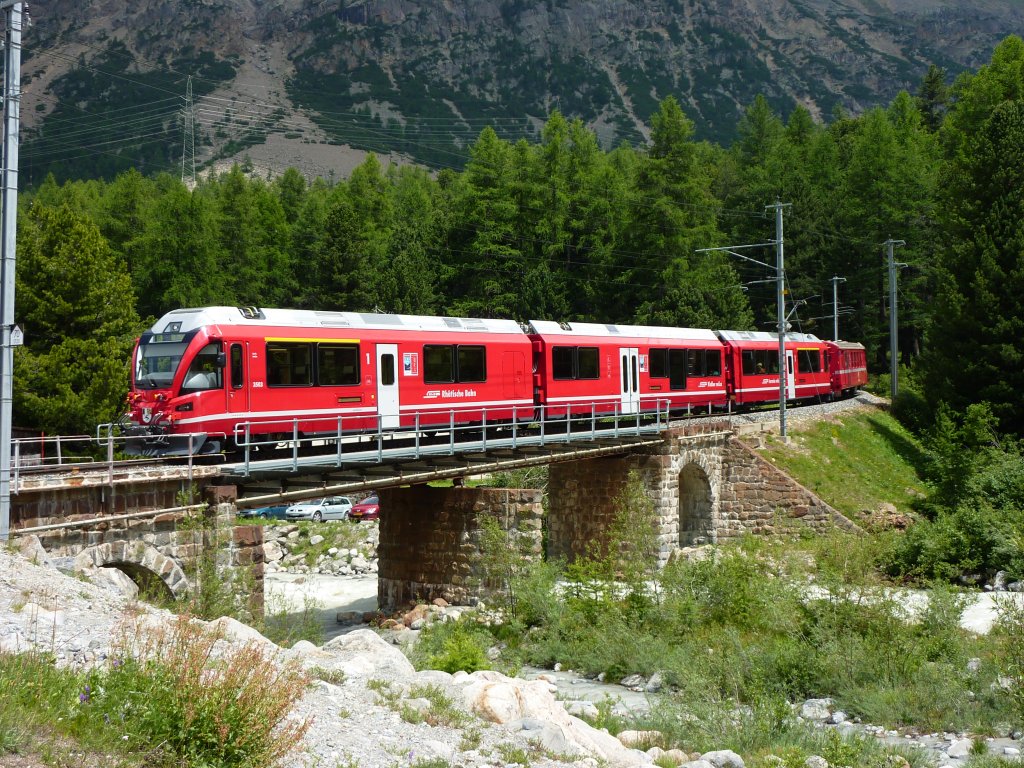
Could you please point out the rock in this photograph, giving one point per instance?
(32, 550)
(303, 646)
(273, 551)
(1011, 751)
(677, 755)
(419, 612)
(974, 665)
(723, 758)
(42, 618)
(1015, 586)
(504, 700)
(585, 709)
(117, 581)
(418, 705)
(698, 764)
(640, 739)
(837, 717)
(14, 643)
(349, 617)
(999, 581)
(418, 623)
(817, 710)
(438, 748)
(816, 761)
(655, 683)
(361, 653)
(235, 631)
(315, 539)
(440, 602)
(633, 682)
(960, 748)
(548, 736)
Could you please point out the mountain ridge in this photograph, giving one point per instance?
(420, 80)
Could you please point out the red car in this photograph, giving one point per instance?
(367, 509)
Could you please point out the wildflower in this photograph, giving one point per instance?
(84, 695)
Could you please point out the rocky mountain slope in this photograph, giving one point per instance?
(291, 81)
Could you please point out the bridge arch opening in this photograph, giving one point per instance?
(696, 507)
(152, 588)
(154, 573)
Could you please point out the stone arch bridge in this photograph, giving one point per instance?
(705, 482)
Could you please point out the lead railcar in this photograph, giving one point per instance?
(206, 379)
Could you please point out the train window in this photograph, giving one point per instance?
(237, 375)
(712, 362)
(288, 365)
(808, 361)
(438, 364)
(659, 363)
(576, 363)
(562, 362)
(704, 362)
(337, 364)
(472, 364)
(677, 362)
(387, 370)
(758, 361)
(204, 373)
(588, 363)
(694, 362)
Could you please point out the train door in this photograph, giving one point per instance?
(513, 376)
(790, 376)
(387, 385)
(629, 359)
(238, 380)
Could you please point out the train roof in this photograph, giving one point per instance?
(846, 344)
(191, 319)
(552, 328)
(764, 336)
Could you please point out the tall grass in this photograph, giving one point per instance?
(169, 696)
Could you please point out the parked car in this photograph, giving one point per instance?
(367, 509)
(329, 508)
(275, 512)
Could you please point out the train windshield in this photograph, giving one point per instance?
(157, 359)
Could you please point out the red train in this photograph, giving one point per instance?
(204, 377)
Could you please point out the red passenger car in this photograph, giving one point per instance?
(625, 368)
(753, 367)
(215, 370)
(849, 366)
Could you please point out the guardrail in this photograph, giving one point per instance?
(584, 421)
(434, 432)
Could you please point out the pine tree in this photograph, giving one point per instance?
(76, 306)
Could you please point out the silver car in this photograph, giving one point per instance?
(330, 508)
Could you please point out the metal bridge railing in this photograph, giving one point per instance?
(528, 425)
(432, 430)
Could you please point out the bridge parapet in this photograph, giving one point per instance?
(148, 529)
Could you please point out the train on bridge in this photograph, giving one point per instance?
(206, 380)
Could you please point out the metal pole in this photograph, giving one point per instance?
(12, 115)
(780, 283)
(835, 306)
(893, 324)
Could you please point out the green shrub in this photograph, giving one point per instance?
(227, 710)
(452, 646)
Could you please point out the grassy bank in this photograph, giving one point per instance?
(857, 461)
